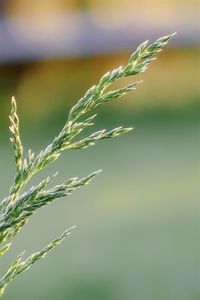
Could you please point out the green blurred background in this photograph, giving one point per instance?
(138, 222)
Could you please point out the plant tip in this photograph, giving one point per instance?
(72, 227)
(98, 171)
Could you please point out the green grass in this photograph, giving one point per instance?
(22, 203)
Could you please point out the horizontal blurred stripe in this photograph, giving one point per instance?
(83, 33)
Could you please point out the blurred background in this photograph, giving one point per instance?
(138, 222)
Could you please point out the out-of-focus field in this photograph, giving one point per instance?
(137, 235)
(138, 222)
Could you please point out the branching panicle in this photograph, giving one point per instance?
(19, 266)
(15, 136)
(18, 206)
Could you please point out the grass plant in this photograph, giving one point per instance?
(17, 208)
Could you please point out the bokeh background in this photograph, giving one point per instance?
(138, 222)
